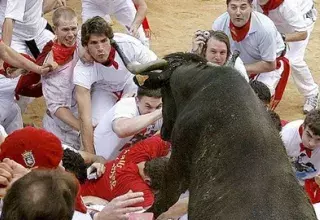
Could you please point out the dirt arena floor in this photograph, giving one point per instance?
(173, 23)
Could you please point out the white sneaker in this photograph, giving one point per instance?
(310, 104)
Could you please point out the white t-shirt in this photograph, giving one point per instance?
(27, 14)
(109, 78)
(106, 141)
(304, 167)
(288, 17)
(259, 44)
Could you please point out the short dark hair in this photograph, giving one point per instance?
(249, 1)
(219, 36)
(262, 91)
(74, 163)
(154, 93)
(96, 25)
(156, 169)
(41, 194)
(275, 119)
(312, 121)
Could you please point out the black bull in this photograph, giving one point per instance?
(225, 149)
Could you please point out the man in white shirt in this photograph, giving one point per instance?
(301, 139)
(128, 121)
(123, 10)
(23, 27)
(100, 84)
(256, 38)
(295, 25)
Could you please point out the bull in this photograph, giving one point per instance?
(225, 149)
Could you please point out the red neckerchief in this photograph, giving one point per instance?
(239, 33)
(61, 53)
(111, 60)
(302, 147)
(271, 5)
(313, 190)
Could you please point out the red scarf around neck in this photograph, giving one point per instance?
(61, 53)
(111, 60)
(239, 33)
(302, 147)
(271, 5)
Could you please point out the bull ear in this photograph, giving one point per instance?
(159, 64)
(141, 79)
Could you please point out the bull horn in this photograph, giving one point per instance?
(140, 68)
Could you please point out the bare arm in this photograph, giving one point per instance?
(17, 60)
(260, 67)
(91, 158)
(65, 115)
(296, 36)
(86, 130)
(125, 127)
(50, 5)
(140, 15)
(7, 31)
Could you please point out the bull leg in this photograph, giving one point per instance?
(174, 184)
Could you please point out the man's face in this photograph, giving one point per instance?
(309, 139)
(148, 104)
(239, 12)
(66, 32)
(99, 47)
(216, 52)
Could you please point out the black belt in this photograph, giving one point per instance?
(31, 44)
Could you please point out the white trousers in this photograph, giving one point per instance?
(10, 117)
(64, 132)
(270, 79)
(123, 10)
(299, 69)
(102, 100)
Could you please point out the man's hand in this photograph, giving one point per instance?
(10, 171)
(46, 68)
(133, 30)
(99, 167)
(198, 42)
(119, 208)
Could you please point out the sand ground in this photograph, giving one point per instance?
(173, 23)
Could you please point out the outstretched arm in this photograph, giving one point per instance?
(140, 15)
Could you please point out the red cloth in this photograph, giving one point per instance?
(313, 190)
(7, 65)
(111, 60)
(122, 174)
(302, 147)
(282, 82)
(271, 5)
(29, 85)
(145, 23)
(239, 33)
(61, 53)
(284, 122)
(279, 90)
(32, 147)
(79, 204)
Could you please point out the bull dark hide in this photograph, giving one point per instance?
(225, 149)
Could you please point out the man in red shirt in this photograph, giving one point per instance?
(139, 168)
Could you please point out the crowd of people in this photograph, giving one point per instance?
(99, 154)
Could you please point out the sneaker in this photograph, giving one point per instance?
(310, 104)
